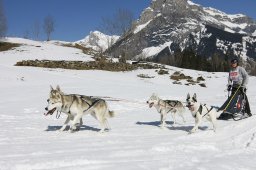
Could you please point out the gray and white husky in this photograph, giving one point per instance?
(165, 106)
(199, 111)
(75, 106)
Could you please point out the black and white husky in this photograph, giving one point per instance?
(75, 106)
(200, 111)
(165, 106)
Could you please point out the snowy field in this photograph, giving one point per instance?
(31, 141)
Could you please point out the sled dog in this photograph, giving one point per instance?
(75, 106)
(199, 111)
(165, 106)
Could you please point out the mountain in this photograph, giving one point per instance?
(92, 44)
(97, 41)
(168, 26)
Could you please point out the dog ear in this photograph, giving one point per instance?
(51, 87)
(194, 96)
(188, 96)
(58, 88)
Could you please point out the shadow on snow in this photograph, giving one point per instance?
(82, 128)
(182, 128)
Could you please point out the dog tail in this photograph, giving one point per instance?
(111, 113)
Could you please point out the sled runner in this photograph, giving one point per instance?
(235, 106)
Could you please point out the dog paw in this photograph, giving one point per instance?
(107, 130)
(174, 124)
(162, 127)
(191, 131)
(62, 129)
(102, 131)
(71, 131)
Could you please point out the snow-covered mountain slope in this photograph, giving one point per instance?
(174, 25)
(98, 41)
(41, 50)
(31, 141)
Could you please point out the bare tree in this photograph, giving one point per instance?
(3, 21)
(26, 34)
(36, 29)
(49, 25)
(118, 24)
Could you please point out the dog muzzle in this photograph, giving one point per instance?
(190, 107)
(50, 112)
(150, 104)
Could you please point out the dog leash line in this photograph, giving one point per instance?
(232, 98)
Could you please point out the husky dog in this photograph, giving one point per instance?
(165, 106)
(199, 111)
(75, 106)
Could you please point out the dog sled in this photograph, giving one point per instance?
(235, 107)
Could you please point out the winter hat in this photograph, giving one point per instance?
(234, 60)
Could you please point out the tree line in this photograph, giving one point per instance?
(3, 21)
(190, 60)
(216, 63)
(48, 27)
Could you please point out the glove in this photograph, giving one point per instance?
(229, 87)
(244, 89)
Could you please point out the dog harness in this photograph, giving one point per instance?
(90, 105)
(58, 114)
(62, 106)
(81, 97)
(200, 110)
(169, 103)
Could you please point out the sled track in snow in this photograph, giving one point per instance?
(251, 140)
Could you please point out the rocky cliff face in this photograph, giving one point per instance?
(168, 26)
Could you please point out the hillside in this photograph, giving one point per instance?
(30, 141)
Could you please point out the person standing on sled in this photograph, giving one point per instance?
(238, 80)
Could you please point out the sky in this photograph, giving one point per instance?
(74, 19)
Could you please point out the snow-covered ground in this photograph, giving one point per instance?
(31, 141)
